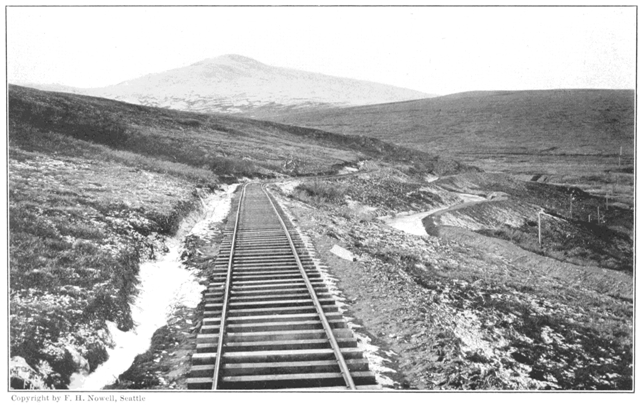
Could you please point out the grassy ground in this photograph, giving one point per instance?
(79, 228)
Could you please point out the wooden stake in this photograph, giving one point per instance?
(571, 207)
(539, 229)
(620, 156)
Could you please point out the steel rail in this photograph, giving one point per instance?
(225, 297)
(344, 369)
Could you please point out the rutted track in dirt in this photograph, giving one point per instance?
(280, 326)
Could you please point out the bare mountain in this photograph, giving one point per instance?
(239, 85)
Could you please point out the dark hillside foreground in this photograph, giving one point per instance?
(97, 186)
(220, 143)
(568, 137)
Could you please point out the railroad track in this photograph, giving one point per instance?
(270, 321)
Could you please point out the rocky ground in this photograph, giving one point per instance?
(453, 313)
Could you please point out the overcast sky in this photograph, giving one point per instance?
(438, 50)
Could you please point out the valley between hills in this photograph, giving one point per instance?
(98, 187)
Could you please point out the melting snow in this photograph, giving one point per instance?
(410, 223)
(347, 170)
(165, 284)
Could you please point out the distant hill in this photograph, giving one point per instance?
(236, 84)
(223, 144)
(545, 121)
(568, 137)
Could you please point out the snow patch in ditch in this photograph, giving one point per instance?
(217, 208)
(165, 284)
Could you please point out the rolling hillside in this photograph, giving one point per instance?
(223, 144)
(549, 122)
(554, 132)
(236, 84)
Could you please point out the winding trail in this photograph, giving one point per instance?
(412, 222)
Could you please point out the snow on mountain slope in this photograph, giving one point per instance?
(237, 84)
